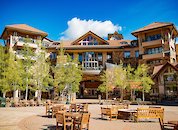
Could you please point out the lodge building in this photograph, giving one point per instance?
(155, 46)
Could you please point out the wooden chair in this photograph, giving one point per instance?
(84, 108)
(25, 103)
(32, 102)
(73, 108)
(56, 109)
(61, 119)
(110, 112)
(166, 125)
(39, 103)
(48, 109)
(149, 113)
(83, 122)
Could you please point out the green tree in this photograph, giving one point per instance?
(108, 81)
(131, 79)
(141, 74)
(120, 79)
(40, 72)
(67, 75)
(12, 74)
(4, 86)
(28, 60)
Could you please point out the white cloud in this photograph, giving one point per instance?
(78, 27)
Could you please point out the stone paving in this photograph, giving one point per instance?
(33, 118)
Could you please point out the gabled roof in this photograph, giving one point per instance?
(85, 35)
(157, 69)
(115, 33)
(24, 28)
(112, 44)
(153, 26)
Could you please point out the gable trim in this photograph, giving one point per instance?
(90, 32)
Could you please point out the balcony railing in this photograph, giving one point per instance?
(157, 42)
(91, 67)
(152, 56)
(20, 41)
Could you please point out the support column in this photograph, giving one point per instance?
(104, 58)
(75, 55)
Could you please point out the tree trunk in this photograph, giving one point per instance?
(39, 95)
(36, 94)
(106, 95)
(19, 94)
(131, 95)
(55, 93)
(143, 95)
(122, 94)
(26, 92)
(15, 95)
(4, 94)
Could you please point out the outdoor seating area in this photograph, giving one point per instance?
(149, 113)
(140, 114)
(23, 103)
(75, 116)
(137, 114)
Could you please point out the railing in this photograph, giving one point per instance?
(21, 40)
(91, 65)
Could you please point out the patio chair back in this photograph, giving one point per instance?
(56, 109)
(84, 108)
(73, 108)
(61, 119)
(84, 122)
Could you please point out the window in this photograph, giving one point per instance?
(137, 54)
(154, 50)
(153, 37)
(15, 33)
(154, 62)
(53, 56)
(100, 56)
(71, 55)
(89, 41)
(80, 57)
(124, 42)
(126, 54)
(109, 56)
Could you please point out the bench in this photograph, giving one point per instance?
(149, 113)
(109, 112)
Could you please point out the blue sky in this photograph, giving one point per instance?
(52, 16)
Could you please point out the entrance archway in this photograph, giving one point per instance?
(88, 89)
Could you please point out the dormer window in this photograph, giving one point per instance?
(89, 41)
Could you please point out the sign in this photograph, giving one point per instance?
(135, 85)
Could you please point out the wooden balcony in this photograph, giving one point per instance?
(91, 67)
(20, 41)
(32, 45)
(152, 56)
(152, 43)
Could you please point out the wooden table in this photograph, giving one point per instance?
(174, 123)
(73, 115)
(127, 113)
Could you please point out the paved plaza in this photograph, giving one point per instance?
(33, 118)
